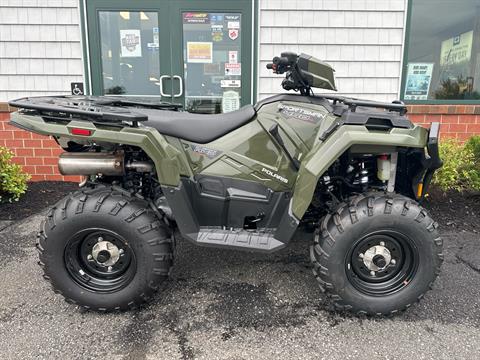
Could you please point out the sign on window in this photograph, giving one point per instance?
(457, 49)
(419, 77)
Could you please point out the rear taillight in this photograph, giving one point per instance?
(81, 132)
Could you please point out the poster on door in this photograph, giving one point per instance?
(233, 69)
(131, 44)
(196, 18)
(233, 57)
(230, 101)
(199, 52)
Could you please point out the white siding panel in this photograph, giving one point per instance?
(40, 51)
(361, 39)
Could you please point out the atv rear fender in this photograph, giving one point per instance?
(324, 153)
(168, 160)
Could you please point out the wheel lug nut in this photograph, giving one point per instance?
(89, 257)
(382, 243)
(393, 261)
(121, 251)
(100, 239)
(361, 256)
(109, 269)
(372, 273)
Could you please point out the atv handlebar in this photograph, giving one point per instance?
(283, 63)
(287, 63)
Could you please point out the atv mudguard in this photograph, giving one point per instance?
(168, 160)
(324, 153)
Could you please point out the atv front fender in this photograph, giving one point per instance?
(323, 154)
(167, 159)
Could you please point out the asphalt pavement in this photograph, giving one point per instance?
(224, 304)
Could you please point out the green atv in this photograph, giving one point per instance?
(354, 170)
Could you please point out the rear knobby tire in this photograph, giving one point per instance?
(140, 234)
(340, 244)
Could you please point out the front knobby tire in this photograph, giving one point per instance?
(131, 243)
(377, 254)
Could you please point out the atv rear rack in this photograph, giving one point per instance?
(106, 109)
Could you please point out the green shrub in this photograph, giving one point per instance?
(461, 166)
(473, 145)
(13, 181)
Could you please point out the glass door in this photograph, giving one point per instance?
(129, 49)
(215, 38)
(197, 53)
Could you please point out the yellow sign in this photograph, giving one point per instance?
(457, 49)
(199, 52)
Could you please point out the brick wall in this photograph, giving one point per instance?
(37, 154)
(457, 121)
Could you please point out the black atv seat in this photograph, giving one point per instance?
(199, 128)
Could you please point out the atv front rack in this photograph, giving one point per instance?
(107, 109)
(353, 103)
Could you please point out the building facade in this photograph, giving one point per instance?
(210, 55)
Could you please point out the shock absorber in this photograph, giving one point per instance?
(363, 177)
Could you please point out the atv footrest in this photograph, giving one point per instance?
(239, 238)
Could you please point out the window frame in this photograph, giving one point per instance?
(405, 70)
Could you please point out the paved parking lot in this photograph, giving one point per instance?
(234, 305)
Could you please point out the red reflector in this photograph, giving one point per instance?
(82, 132)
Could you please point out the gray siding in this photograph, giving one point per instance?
(361, 39)
(40, 51)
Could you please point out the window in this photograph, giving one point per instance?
(442, 51)
(212, 66)
(130, 56)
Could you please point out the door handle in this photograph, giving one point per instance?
(161, 85)
(180, 80)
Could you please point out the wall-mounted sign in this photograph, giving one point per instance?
(131, 44)
(77, 88)
(419, 77)
(457, 49)
(199, 52)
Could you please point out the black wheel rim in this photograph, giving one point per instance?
(391, 278)
(93, 275)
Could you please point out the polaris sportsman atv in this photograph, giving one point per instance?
(355, 170)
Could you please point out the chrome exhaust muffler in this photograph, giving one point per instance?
(91, 163)
(96, 163)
